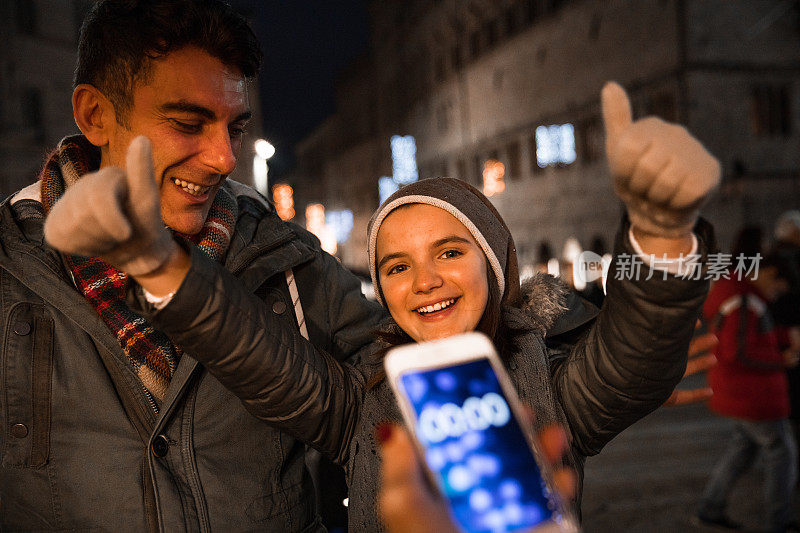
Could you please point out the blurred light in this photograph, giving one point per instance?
(578, 280)
(493, 173)
(260, 170)
(606, 266)
(386, 187)
(264, 149)
(346, 502)
(553, 268)
(555, 144)
(404, 159)
(461, 478)
(570, 254)
(572, 249)
(315, 223)
(283, 198)
(446, 381)
(510, 489)
(480, 500)
(341, 223)
(368, 290)
(484, 464)
(526, 271)
(436, 458)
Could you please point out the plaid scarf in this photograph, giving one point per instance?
(150, 353)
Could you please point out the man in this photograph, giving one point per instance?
(749, 385)
(106, 424)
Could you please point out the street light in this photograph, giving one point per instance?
(264, 150)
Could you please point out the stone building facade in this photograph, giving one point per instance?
(472, 81)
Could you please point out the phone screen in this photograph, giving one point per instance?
(475, 448)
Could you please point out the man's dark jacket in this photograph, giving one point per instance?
(80, 446)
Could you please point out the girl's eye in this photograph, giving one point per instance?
(396, 269)
(449, 254)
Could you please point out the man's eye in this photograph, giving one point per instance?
(237, 131)
(396, 269)
(451, 253)
(186, 127)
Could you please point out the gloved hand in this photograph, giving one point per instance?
(661, 172)
(115, 215)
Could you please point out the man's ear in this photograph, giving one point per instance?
(94, 114)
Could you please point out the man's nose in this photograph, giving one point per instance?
(218, 152)
(426, 278)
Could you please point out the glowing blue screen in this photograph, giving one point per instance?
(475, 448)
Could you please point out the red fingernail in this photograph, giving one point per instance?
(383, 432)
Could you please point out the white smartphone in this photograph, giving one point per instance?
(465, 415)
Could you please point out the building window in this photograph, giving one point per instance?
(770, 111)
(475, 44)
(461, 170)
(441, 68)
(492, 31)
(443, 117)
(534, 165)
(512, 161)
(512, 22)
(456, 53)
(26, 16)
(531, 13)
(32, 116)
(591, 140)
(477, 168)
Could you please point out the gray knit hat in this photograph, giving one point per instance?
(469, 207)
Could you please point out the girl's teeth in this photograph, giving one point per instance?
(435, 307)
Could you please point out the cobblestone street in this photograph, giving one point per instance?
(650, 478)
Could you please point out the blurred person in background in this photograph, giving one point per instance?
(786, 309)
(749, 385)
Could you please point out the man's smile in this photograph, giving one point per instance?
(192, 188)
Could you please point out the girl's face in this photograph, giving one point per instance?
(431, 271)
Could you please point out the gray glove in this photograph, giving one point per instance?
(115, 215)
(661, 172)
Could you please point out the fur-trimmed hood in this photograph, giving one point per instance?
(544, 300)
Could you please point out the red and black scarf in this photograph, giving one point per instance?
(150, 353)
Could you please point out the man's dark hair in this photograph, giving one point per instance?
(120, 38)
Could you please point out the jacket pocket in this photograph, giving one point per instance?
(27, 373)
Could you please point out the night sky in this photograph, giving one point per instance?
(306, 43)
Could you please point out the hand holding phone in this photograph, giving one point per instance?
(465, 417)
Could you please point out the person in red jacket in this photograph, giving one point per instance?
(749, 384)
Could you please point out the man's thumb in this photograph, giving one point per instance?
(139, 170)
(617, 114)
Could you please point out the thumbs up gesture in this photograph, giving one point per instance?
(114, 214)
(661, 173)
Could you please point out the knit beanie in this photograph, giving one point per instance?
(469, 207)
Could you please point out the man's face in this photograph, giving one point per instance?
(194, 109)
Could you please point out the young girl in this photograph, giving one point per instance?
(444, 263)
